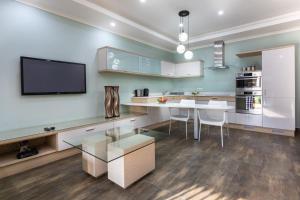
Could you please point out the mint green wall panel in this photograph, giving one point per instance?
(27, 31)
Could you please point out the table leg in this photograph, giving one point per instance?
(195, 124)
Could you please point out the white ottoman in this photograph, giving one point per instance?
(95, 145)
(130, 159)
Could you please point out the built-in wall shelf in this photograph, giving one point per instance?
(10, 158)
(259, 51)
(45, 145)
(119, 61)
(51, 145)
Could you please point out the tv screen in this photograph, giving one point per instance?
(41, 76)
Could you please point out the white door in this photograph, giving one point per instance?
(167, 68)
(278, 72)
(279, 113)
(278, 78)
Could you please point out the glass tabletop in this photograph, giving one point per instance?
(111, 144)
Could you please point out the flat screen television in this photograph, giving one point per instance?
(42, 76)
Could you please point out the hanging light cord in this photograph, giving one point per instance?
(188, 32)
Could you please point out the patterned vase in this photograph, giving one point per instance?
(116, 101)
(108, 102)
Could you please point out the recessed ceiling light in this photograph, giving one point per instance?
(143, 1)
(113, 24)
(221, 12)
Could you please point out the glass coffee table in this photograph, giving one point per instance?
(124, 153)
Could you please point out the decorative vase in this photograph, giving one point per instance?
(108, 102)
(112, 101)
(116, 101)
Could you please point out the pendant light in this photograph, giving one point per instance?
(188, 55)
(184, 36)
(180, 48)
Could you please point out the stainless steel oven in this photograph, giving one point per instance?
(248, 81)
(249, 102)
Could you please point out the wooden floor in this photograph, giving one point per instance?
(250, 166)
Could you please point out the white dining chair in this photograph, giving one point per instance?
(214, 117)
(182, 117)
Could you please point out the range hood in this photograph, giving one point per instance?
(219, 61)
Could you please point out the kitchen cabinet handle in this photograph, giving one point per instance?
(91, 129)
(133, 120)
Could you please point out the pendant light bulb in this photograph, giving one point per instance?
(183, 37)
(188, 55)
(180, 49)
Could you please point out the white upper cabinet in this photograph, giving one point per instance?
(278, 71)
(189, 69)
(120, 61)
(167, 68)
(278, 78)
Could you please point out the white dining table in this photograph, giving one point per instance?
(178, 105)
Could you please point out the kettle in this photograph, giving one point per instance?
(138, 93)
(146, 92)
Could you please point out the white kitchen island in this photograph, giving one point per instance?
(177, 105)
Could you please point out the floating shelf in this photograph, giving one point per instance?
(258, 52)
(249, 54)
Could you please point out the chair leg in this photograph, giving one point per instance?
(222, 135)
(199, 132)
(185, 130)
(227, 130)
(170, 124)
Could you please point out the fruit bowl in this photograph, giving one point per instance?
(162, 100)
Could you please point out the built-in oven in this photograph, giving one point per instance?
(249, 102)
(248, 81)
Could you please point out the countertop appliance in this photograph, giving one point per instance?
(146, 92)
(248, 81)
(249, 92)
(249, 102)
(139, 93)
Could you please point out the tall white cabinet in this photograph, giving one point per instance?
(278, 72)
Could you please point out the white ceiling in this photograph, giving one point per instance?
(156, 21)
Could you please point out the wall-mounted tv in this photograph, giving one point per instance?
(42, 76)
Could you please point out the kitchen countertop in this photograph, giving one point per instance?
(201, 94)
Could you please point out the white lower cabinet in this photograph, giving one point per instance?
(231, 117)
(279, 113)
(248, 119)
(67, 135)
(135, 122)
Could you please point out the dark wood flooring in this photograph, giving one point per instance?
(250, 166)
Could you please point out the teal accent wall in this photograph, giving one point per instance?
(26, 31)
(224, 80)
